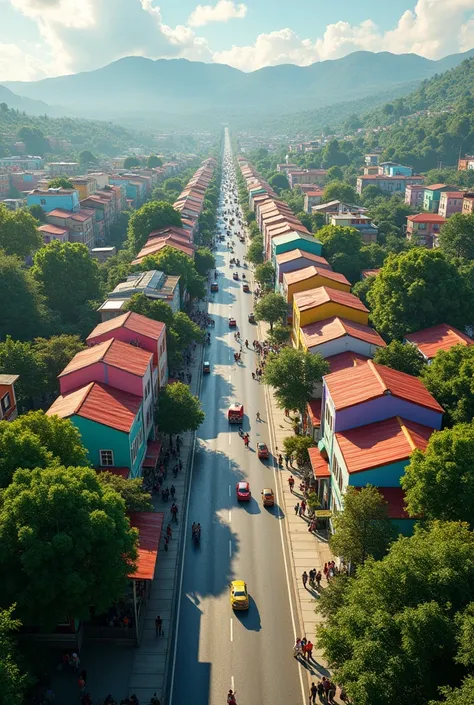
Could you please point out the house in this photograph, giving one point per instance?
(139, 331)
(322, 303)
(306, 176)
(294, 241)
(361, 223)
(80, 224)
(386, 183)
(102, 254)
(335, 335)
(310, 278)
(432, 196)
(336, 206)
(312, 198)
(153, 284)
(4, 184)
(297, 259)
(49, 199)
(450, 202)
(466, 163)
(441, 337)
(8, 408)
(168, 237)
(62, 168)
(26, 163)
(399, 170)
(424, 228)
(25, 180)
(53, 232)
(414, 194)
(86, 185)
(120, 365)
(284, 168)
(468, 203)
(372, 159)
(110, 422)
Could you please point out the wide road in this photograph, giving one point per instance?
(216, 648)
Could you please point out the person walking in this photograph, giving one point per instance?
(172, 491)
(312, 575)
(169, 533)
(174, 513)
(304, 578)
(297, 508)
(320, 688)
(318, 579)
(303, 506)
(313, 691)
(158, 626)
(297, 648)
(300, 509)
(291, 483)
(309, 650)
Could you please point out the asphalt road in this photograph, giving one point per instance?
(217, 648)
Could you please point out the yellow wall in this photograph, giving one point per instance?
(85, 190)
(320, 313)
(313, 283)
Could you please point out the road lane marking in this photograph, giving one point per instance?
(230, 548)
(230, 515)
(232, 684)
(230, 438)
(230, 489)
(231, 630)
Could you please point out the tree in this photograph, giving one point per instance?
(173, 184)
(86, 158)
(293, 373)
(363, 528)
(18, 232)
(60, 182)
(335, 173)
(204, 261)
(418, 289)
(271, 308)
(342, 247)
(439, 482)
(265, 274)
(279, 182)
(37, 212)
(68, 276)
(153, 215)
(151, 308)
(34, 139)
(362, 288)
(340, 191)
(13, 682)
(178, 410)
(174, 262)
(40, 513)
(255, 250)
(131, 490)
(56, 352)
(449, 379)
(17, 357)
(404, 358)
(154, 161)
(131, 162)
(456, 238)
(23, 311)
(279, 335)
(297, 447)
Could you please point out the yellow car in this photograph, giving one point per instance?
(239, 597)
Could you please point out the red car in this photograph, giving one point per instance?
(262, 451)
(242, 490)
(232, 323)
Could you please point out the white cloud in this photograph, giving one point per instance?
(19, 65)
(224, 11)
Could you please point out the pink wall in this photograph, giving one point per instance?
(101, 372)
(129, 336)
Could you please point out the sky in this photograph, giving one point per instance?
(40, 38)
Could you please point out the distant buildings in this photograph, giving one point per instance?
(388, 183)
(414, 194)
(450, 202)
(8, 408)
(432, 196)
(424, 228)
(153, 284)
(430, 341)
(26, 163)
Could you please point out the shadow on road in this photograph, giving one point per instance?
(250, 619)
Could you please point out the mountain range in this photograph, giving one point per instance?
(140, 86)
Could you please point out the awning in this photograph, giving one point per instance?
(322, 445)
(149, 525)
(152, 453)
(313, 409)
(319, 464)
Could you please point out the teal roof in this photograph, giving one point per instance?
(292, 236)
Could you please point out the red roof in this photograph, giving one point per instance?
(153, 449)
(149, 525)
(312, 298)
(453, 194)
(435, 187)
(319, 465)
(53, 229)
(369, 273)
(60, 213)
(395, 498)
(132, 321)
(344, 360)
(381, 443)
(299, 275)
(370, 381)
(115, 353)
(333, 328)
(298, 254)
(441, 337)
(313, 408)
(426, 218)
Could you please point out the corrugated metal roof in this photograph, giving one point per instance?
(335, 327)
(133, 321)
(306, 300)
(344, 360)
(299, 275)
(115, 353)
(150, 526)
(297, 254)
(381, 443)
(441, 337)
(369, 381)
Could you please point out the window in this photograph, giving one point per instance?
(43, 201)
(106, 458)
(6, 403)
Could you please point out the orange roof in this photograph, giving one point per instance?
(453, 194)
(299, 275)
(296, 254)
(441, 337)
(369, 381)
(132, 321)
(313, 408)
(319, 465)
(369, 273)
(382, 443)
(101, 403)
(332, 328)
(343, 360)
(53, 229)
(149, 525)
(115, 353)
(435, 187)
(306, 300)
(426, 218)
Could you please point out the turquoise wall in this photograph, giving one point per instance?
(97, 437)
(135, 470)
(386, 476)
(404, 526)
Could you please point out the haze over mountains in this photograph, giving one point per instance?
(136, 85)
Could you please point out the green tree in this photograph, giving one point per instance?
(339, 191)
(255, 250)
(151, 308)
(23, 311)
(178, 410)
(271, 308)
(418, 289)
(342, 247)
(18, 232)
(297, 447)
(174, 262)
(204, 261)
(154, 161)
(13, 681)
(404, 358)
(449, 378)
(86, 158)
(131, 162)
(335, 173)
(56, 352)
(60, 182)
(40, 512)
(68, 277)
(265, 274)
(37, 212)
(173, 184)
(363, 528)
(439, 482)
(362, 288)
(463, 695)
(153, 215)
(279, 182)
(34, 139)
(293, 373)
(456, 238)
(333, 156)
(131, 490)
(280, 335)
(17, 357)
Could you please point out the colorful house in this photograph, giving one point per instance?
(139, 331)
(80, 224)
(49, 199)
(335, 335)
(414, 194)
(430, 341)
(110, 422)
(450, 202)
(324, 302)
(432, 196)
(424, 228)
(360, 222)
(53, 232)
(8, 408)
(310, 278)
(297, 259)
(294, 241)
(387, 184)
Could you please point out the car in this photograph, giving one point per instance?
(242, 490)
(214, 286)
(206, 367)
(262, 451)
(245, 287)
(235, 412)
(235, 275)
(232, 322)
(239, 597)
(268, 498)
(251, 317)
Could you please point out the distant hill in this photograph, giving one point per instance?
(180, 86)
(27, 105)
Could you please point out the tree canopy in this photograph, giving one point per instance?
(131, 162)
(293, 373)
(255, 250)
(171, 261)
(86, 158)
(178, 410)
(131, 490)
(23, 310)
(18, 232)
(340, 191)
(265, 274)
(204, 261)
(60, 182)
(153, 215)
(13, 681)
(456, 237)
(40, 514)
(449, 378)
(56, 352)
(279, 182)
(19, 357)
(341, 247)
(404, 358)
(271, 308)
(154, 161)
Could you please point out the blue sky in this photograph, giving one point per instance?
(41, 38)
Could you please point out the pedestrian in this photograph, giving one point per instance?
(174, 513)
(286, 464)
(154, 700)
(309, 650)
(312, 575)
(82, 685)
(75, 661)
(300, 510)
(331, 693)
(313, 691)
(318, 579)
(169, 532)
(172, 491)
(320, 690)
(167, 540)
(291, 481)
(158, 626)
(303, 506)
(297, 648)
(304, 578)
(303, 646)
(297, 508)
(326, 570)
